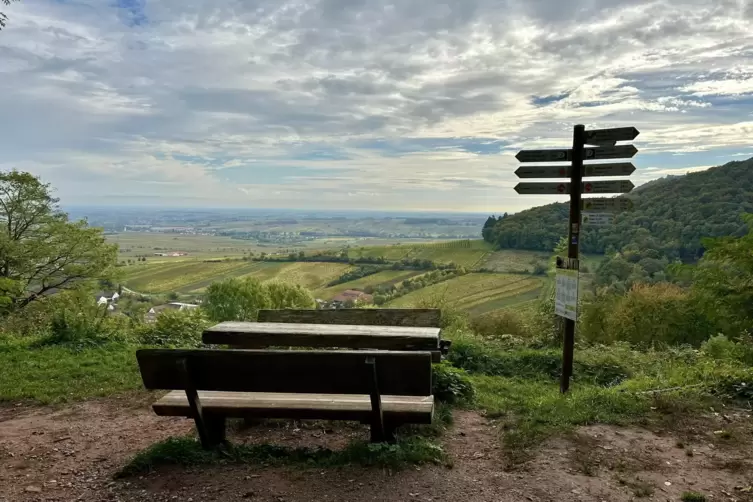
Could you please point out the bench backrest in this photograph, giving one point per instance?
(419, 318)
(315, 372)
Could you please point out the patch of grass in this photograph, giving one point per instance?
(187, 451)
(641, 488)
(58, 374)
(693, 497)
(482, 357)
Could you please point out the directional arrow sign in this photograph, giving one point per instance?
(597, 219)
(543, 171)
(543, 155)
(542, 188)
(614, 169)
(609, 136)
(617, 186)
(602, 205)
(610, 152)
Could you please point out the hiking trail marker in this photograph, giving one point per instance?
(596, 212)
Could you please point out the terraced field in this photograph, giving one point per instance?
(514, 260)
(465, 253)
(195, 276)
(476, 293)
(380, 278)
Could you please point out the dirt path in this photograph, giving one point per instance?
(71, 453)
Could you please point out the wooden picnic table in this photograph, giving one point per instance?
(253, 335)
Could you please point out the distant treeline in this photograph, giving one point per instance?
(404, 264)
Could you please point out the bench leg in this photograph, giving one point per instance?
(215, 427)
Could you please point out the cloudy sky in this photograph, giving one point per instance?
(370, 104)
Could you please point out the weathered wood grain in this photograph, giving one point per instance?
(423, 318)
(287, 371)
(396, 409)
(256, 335)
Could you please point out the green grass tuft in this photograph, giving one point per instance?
(693, 497)
(187, 451)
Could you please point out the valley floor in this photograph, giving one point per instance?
(71, 453)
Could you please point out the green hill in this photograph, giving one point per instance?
(671, 215)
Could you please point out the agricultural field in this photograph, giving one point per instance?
(134, 244)
(195, 276)
(476, 293)
(515, 260)
(385, 277)
(465, 253)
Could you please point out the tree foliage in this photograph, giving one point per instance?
(3, 17)
(241, 299)
(672, 216)
(41, 252)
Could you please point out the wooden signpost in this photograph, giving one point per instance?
(597, 211)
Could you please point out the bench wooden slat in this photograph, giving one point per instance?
(408, 409)
(426, 318)
(253, 335)
(287, 371)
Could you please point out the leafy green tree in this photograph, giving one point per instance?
(723, 278)
(3, 17)
(235, 300)
(241, 299)
(41, 252)
(282, 295)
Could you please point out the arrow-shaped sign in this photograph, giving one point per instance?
(543, 155)
(617, 186)
(614, 169)
(597, 219)
(542, 188)
(604, 152)
(610, 136)
(601, 204)
(610, 152)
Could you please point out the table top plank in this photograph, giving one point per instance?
(266, 334)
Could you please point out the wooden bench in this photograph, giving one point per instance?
(385, 329)
(382, 388)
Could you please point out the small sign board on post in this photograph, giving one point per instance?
(566, 293)
(597, 219)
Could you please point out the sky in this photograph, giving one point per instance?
(364, 104)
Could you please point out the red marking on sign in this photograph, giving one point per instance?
(561, 188)
(563, 171)
(589, 187)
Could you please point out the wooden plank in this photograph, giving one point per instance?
(315, 372)
(255, 335)
(420, 318)
(395, 409)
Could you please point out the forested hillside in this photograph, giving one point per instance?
(671, 216)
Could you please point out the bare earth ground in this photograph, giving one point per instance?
(71, 453)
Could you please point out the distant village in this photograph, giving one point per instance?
(110, 300)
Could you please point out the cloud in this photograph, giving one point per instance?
(360, 103)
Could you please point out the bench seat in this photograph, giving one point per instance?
(402, 409)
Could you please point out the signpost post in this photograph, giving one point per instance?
(566, 296)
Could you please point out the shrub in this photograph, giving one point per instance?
(76, 320)
(502, 323)
(175, 328)
(451, 385)
(721, 347)
(648, 315)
